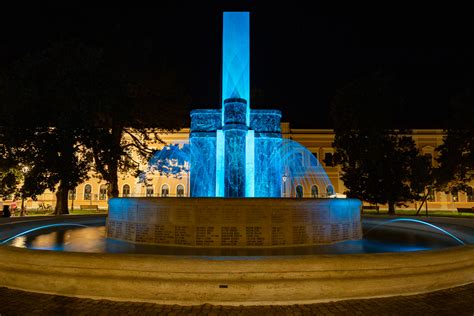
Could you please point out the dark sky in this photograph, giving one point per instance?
(300, 55)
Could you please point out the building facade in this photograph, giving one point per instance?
(317, 141)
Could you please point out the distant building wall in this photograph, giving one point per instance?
(318, 141)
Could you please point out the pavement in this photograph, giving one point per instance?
(455, 301)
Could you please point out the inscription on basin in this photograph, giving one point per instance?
(223, 222)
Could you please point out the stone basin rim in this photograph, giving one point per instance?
(261, 281)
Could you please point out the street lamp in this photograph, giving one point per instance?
(284, 178)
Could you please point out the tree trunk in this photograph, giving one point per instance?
(391, 208)
(61, 200)
(22, 210)
(113, 190)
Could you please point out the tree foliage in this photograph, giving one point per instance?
(380, 164)
(44, 98)
(127, 129)
(70, 109)
(456, 154)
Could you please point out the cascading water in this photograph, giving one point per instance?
(235, 153)
(303, 171)
(287, 170)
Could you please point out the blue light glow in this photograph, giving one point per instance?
(39, 228)
(250, 164)
(419, 222)
(239, 152)
(220, 167)
(236, 58)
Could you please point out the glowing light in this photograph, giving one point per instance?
(250, 164)
(39, 228)
(220, 167)
(238, 152)
(236, 58)
(19, 242)
(419, 222)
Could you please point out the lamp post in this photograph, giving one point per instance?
(187, 169)
(284, 178)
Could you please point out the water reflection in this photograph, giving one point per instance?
(19, 242)
(90, 239)
(399, 237)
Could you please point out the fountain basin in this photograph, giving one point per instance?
(235, 280)
(234, 222)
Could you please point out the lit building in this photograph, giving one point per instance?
(317, 141)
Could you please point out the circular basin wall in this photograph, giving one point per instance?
(229, 222)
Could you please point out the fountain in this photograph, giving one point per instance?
(239, 240)
(237, 161)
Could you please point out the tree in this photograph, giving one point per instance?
(10, 177)
(380, 164)
(456, 154)
(44, 101)
(13, 170)
(128, 126)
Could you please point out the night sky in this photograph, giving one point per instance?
(300, 56)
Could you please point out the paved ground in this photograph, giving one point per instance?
(456, 301)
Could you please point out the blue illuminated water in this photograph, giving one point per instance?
(278, 167)
(236, 57)
(236, 151)
(380, 235)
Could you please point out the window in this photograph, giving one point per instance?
(431, 195)
(103, 192)
(454, 196)
(314, 160)
(328, 159)
(126, 190)
(299, 191)
(470, 197)
(87, 192)
(330, 190)
(149, 190)
(165, 190)
(72, 194)
(314, 191)
(180, 190)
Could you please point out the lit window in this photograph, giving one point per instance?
(299, 191)
(330, 190)
(126, 190)
(149, 190)
(103, 192)
(180, 190)
(87, 192)
(314, 191)
(165, 190)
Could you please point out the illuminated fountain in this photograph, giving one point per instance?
(236, 240)
(237, 162)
